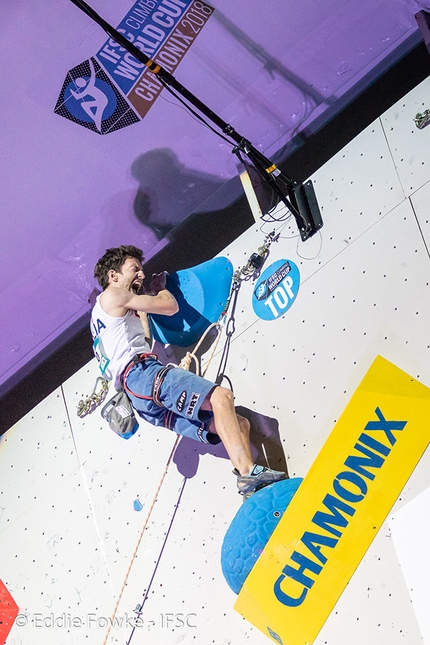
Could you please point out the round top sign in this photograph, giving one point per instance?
(276, 290)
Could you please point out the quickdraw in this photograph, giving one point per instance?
(253, 267)
(86, 406)
(422, 119)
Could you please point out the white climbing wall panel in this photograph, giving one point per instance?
(92, 527)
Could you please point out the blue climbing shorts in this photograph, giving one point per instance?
(181, 395)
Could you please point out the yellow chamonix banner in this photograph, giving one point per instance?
(339, 507)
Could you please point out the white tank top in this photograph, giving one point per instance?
(116, 341)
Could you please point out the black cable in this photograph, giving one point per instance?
(265, 167)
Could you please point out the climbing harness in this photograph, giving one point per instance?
(139, 358)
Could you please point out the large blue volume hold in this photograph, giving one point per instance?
(251, 529)
(202, 293)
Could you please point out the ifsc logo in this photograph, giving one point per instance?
(276, 290)
(89, 97)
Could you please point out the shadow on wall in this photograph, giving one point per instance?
(168, 191)
(265, 441)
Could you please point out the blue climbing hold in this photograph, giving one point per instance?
(137, 505)
(251, 529)
(202, 293)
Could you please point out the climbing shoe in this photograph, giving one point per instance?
(259, 477)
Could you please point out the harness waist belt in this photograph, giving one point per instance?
(138, 358)
(157, 382)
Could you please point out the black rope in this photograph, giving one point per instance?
(139, 608)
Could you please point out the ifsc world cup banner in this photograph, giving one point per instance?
(112, 89)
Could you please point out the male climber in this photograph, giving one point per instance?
(172, 397)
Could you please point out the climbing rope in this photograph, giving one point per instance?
(192, 356)
(250, 270)
(252, 267)
(115, 610)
